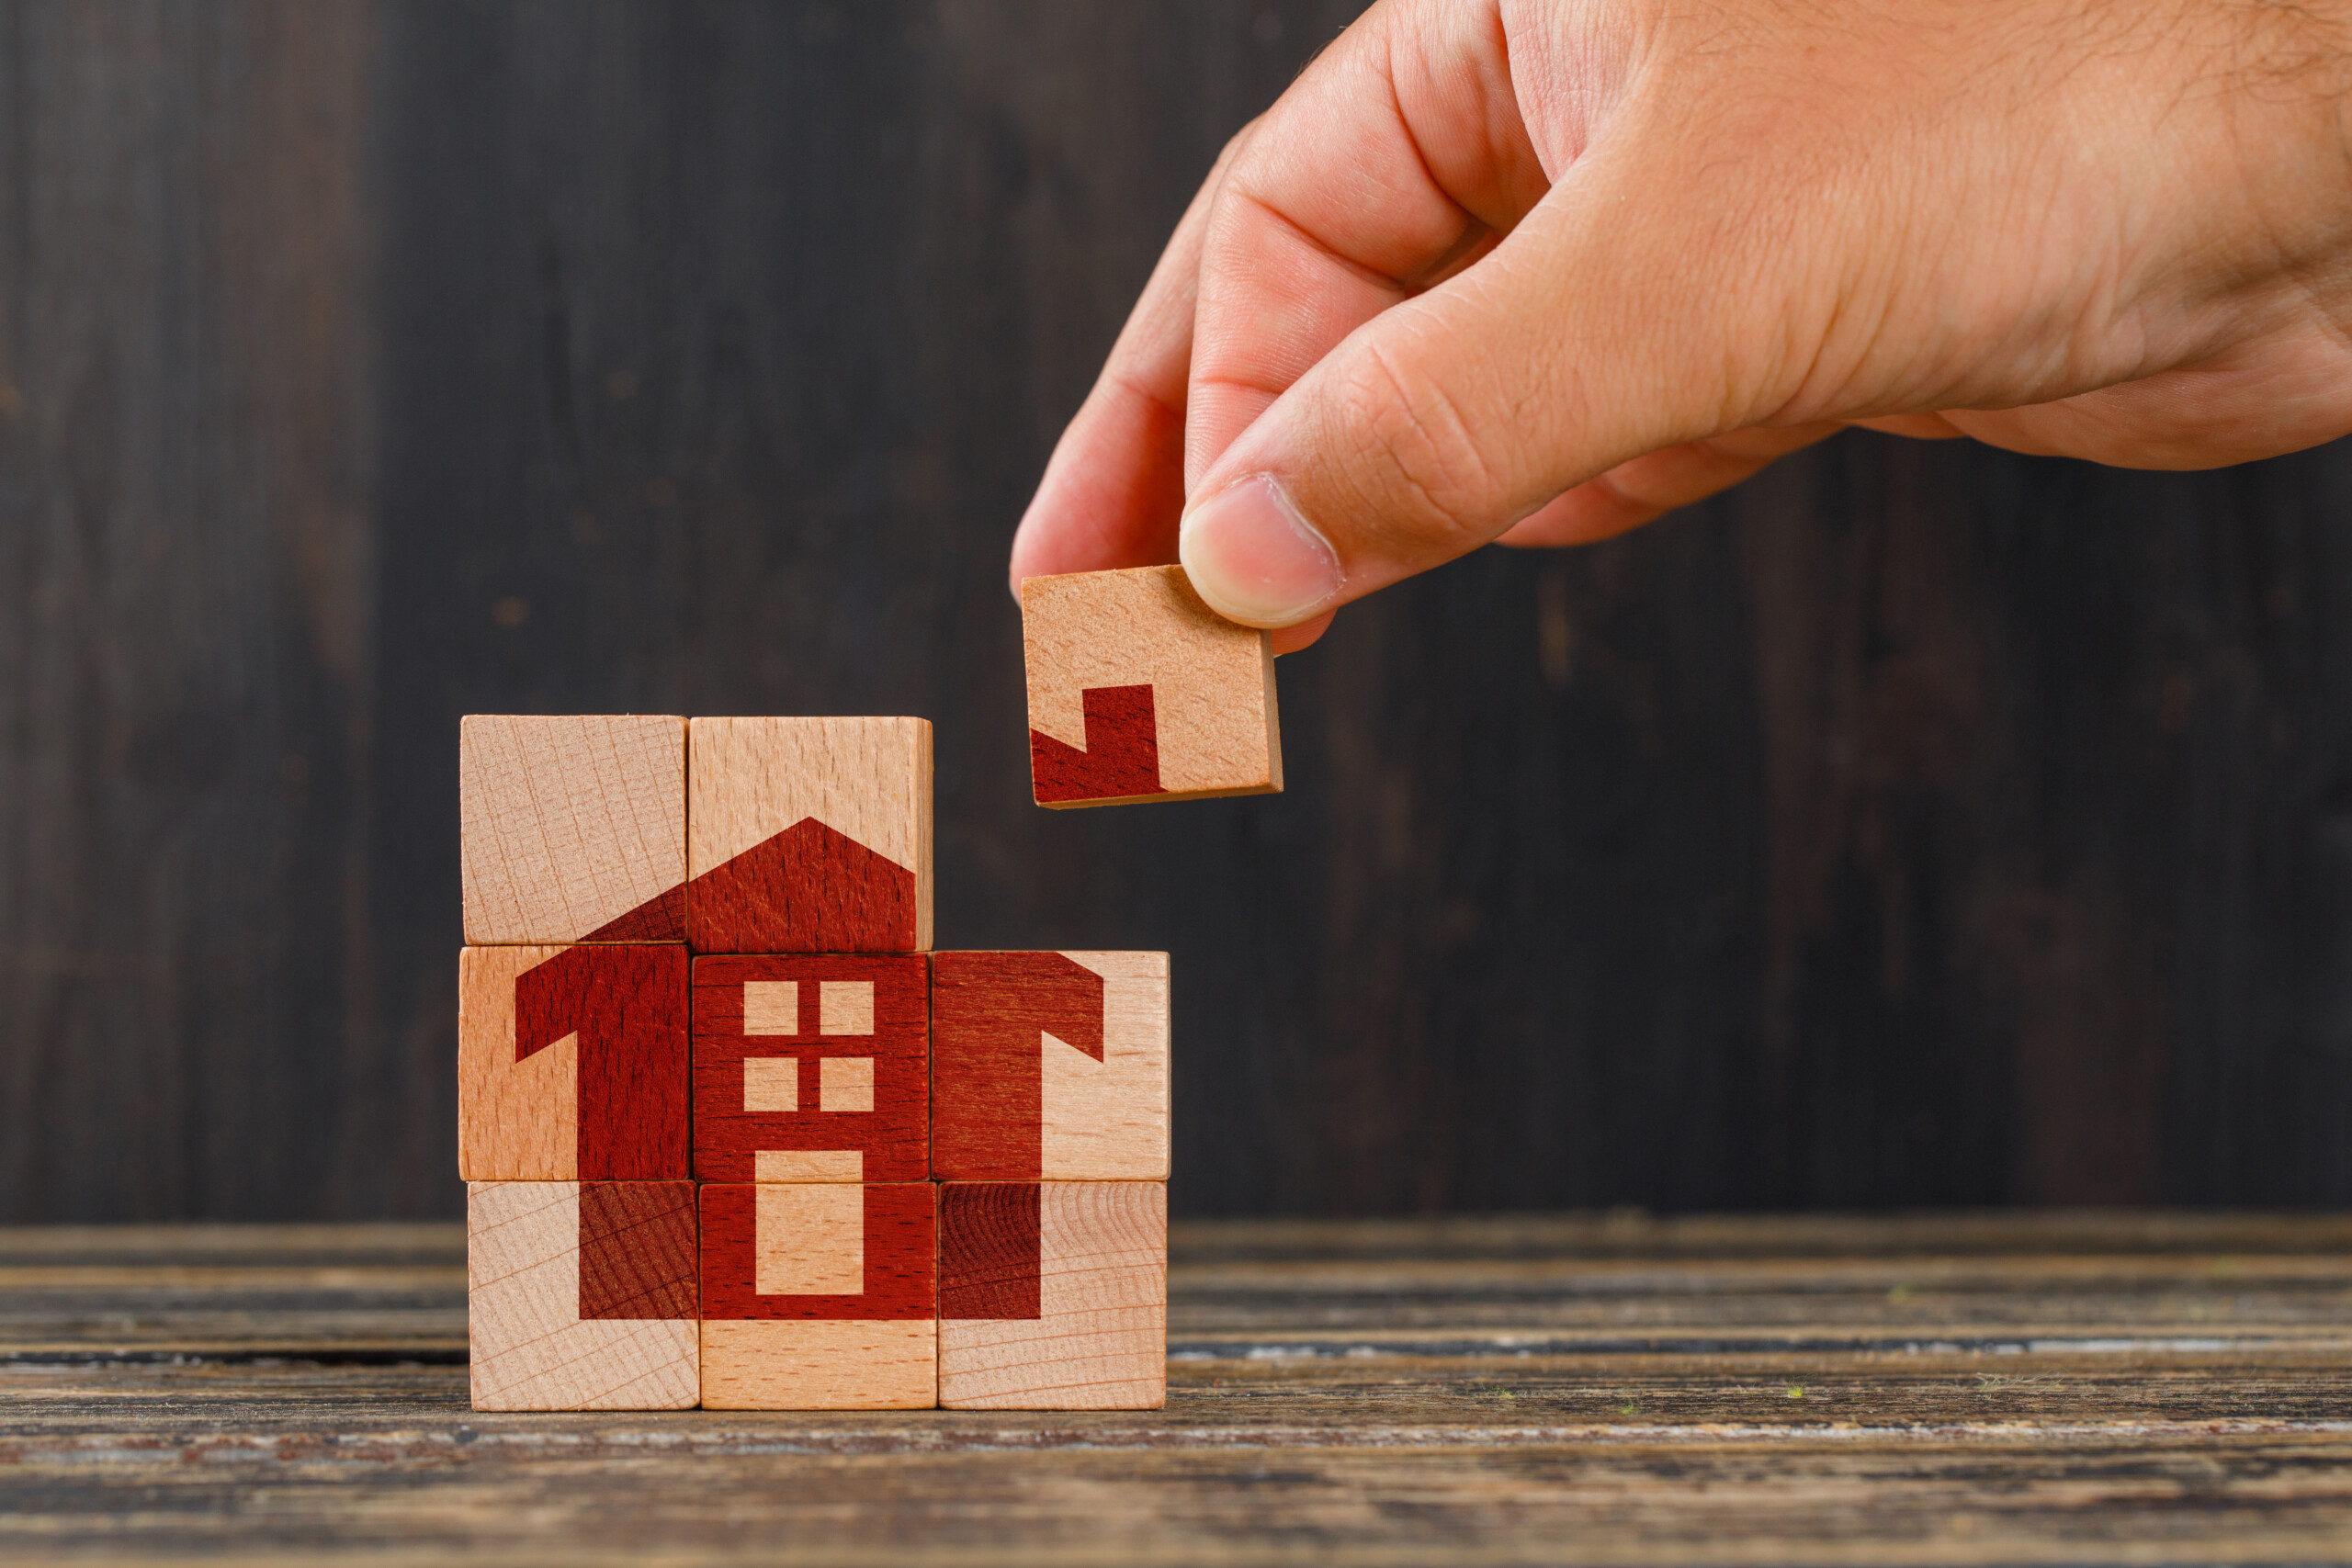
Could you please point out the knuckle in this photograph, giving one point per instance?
(1235, 146)
(1423, 469)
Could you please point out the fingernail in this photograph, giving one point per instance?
(1254, 558)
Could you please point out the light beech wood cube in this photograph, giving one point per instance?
(573, 828)
(1049, 1065)
(572, 1064)
(581, 1296)
(1053, 1295)
(809, 835)
(819, 1296)
(1138, 691)
(842, 1095)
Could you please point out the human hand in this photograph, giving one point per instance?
(1539, 271)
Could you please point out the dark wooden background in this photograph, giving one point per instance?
(1919, 826)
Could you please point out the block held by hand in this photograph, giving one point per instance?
(1138, 691)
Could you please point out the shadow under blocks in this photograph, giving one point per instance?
(733, 1135)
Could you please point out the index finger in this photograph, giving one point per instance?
(1114, 487)
(1395, 161)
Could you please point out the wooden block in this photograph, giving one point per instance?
(812, 1068)
(1049, 1065)
(572, 1064)
(810, 835)
(1138, 691)
(819, 1251)
(574, 828)
(820, 1364)
(1053, 1295)
(581, 1295)
(819, 1296)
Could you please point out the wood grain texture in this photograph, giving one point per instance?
(1105, 1118)
(551, 1327)
(810, 835)
(572, 825)
(809, 1164)
(610, 1102)
(1118, 763)
(1052, 1065)
(2147, 1387)
(1098, 1338)
(627, 1006)
(808, 1239)
(771, 1083)
(834, 1364)
(795, 1244)
(994, 1016)
(639, 1252)
(517, 1121)
(1211, 714)
(892, 1134)
(988, 1254)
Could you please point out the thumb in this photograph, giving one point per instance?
(1429, 431)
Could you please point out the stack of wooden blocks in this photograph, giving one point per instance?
(734, 1136)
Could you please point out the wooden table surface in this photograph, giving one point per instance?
(2039, 1388)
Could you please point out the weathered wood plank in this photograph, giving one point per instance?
(1633, 1233)
(1275, 1398)
(2267, 1283)
(1467, 1396)
(1498, 1482)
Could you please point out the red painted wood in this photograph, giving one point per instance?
(661, 917)
(988, 1249)
(639, 1256)
(808, 890)
(895, 1136)
(990, 1014)
(628, 1007)
(901, 1236)
(1122, 755)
